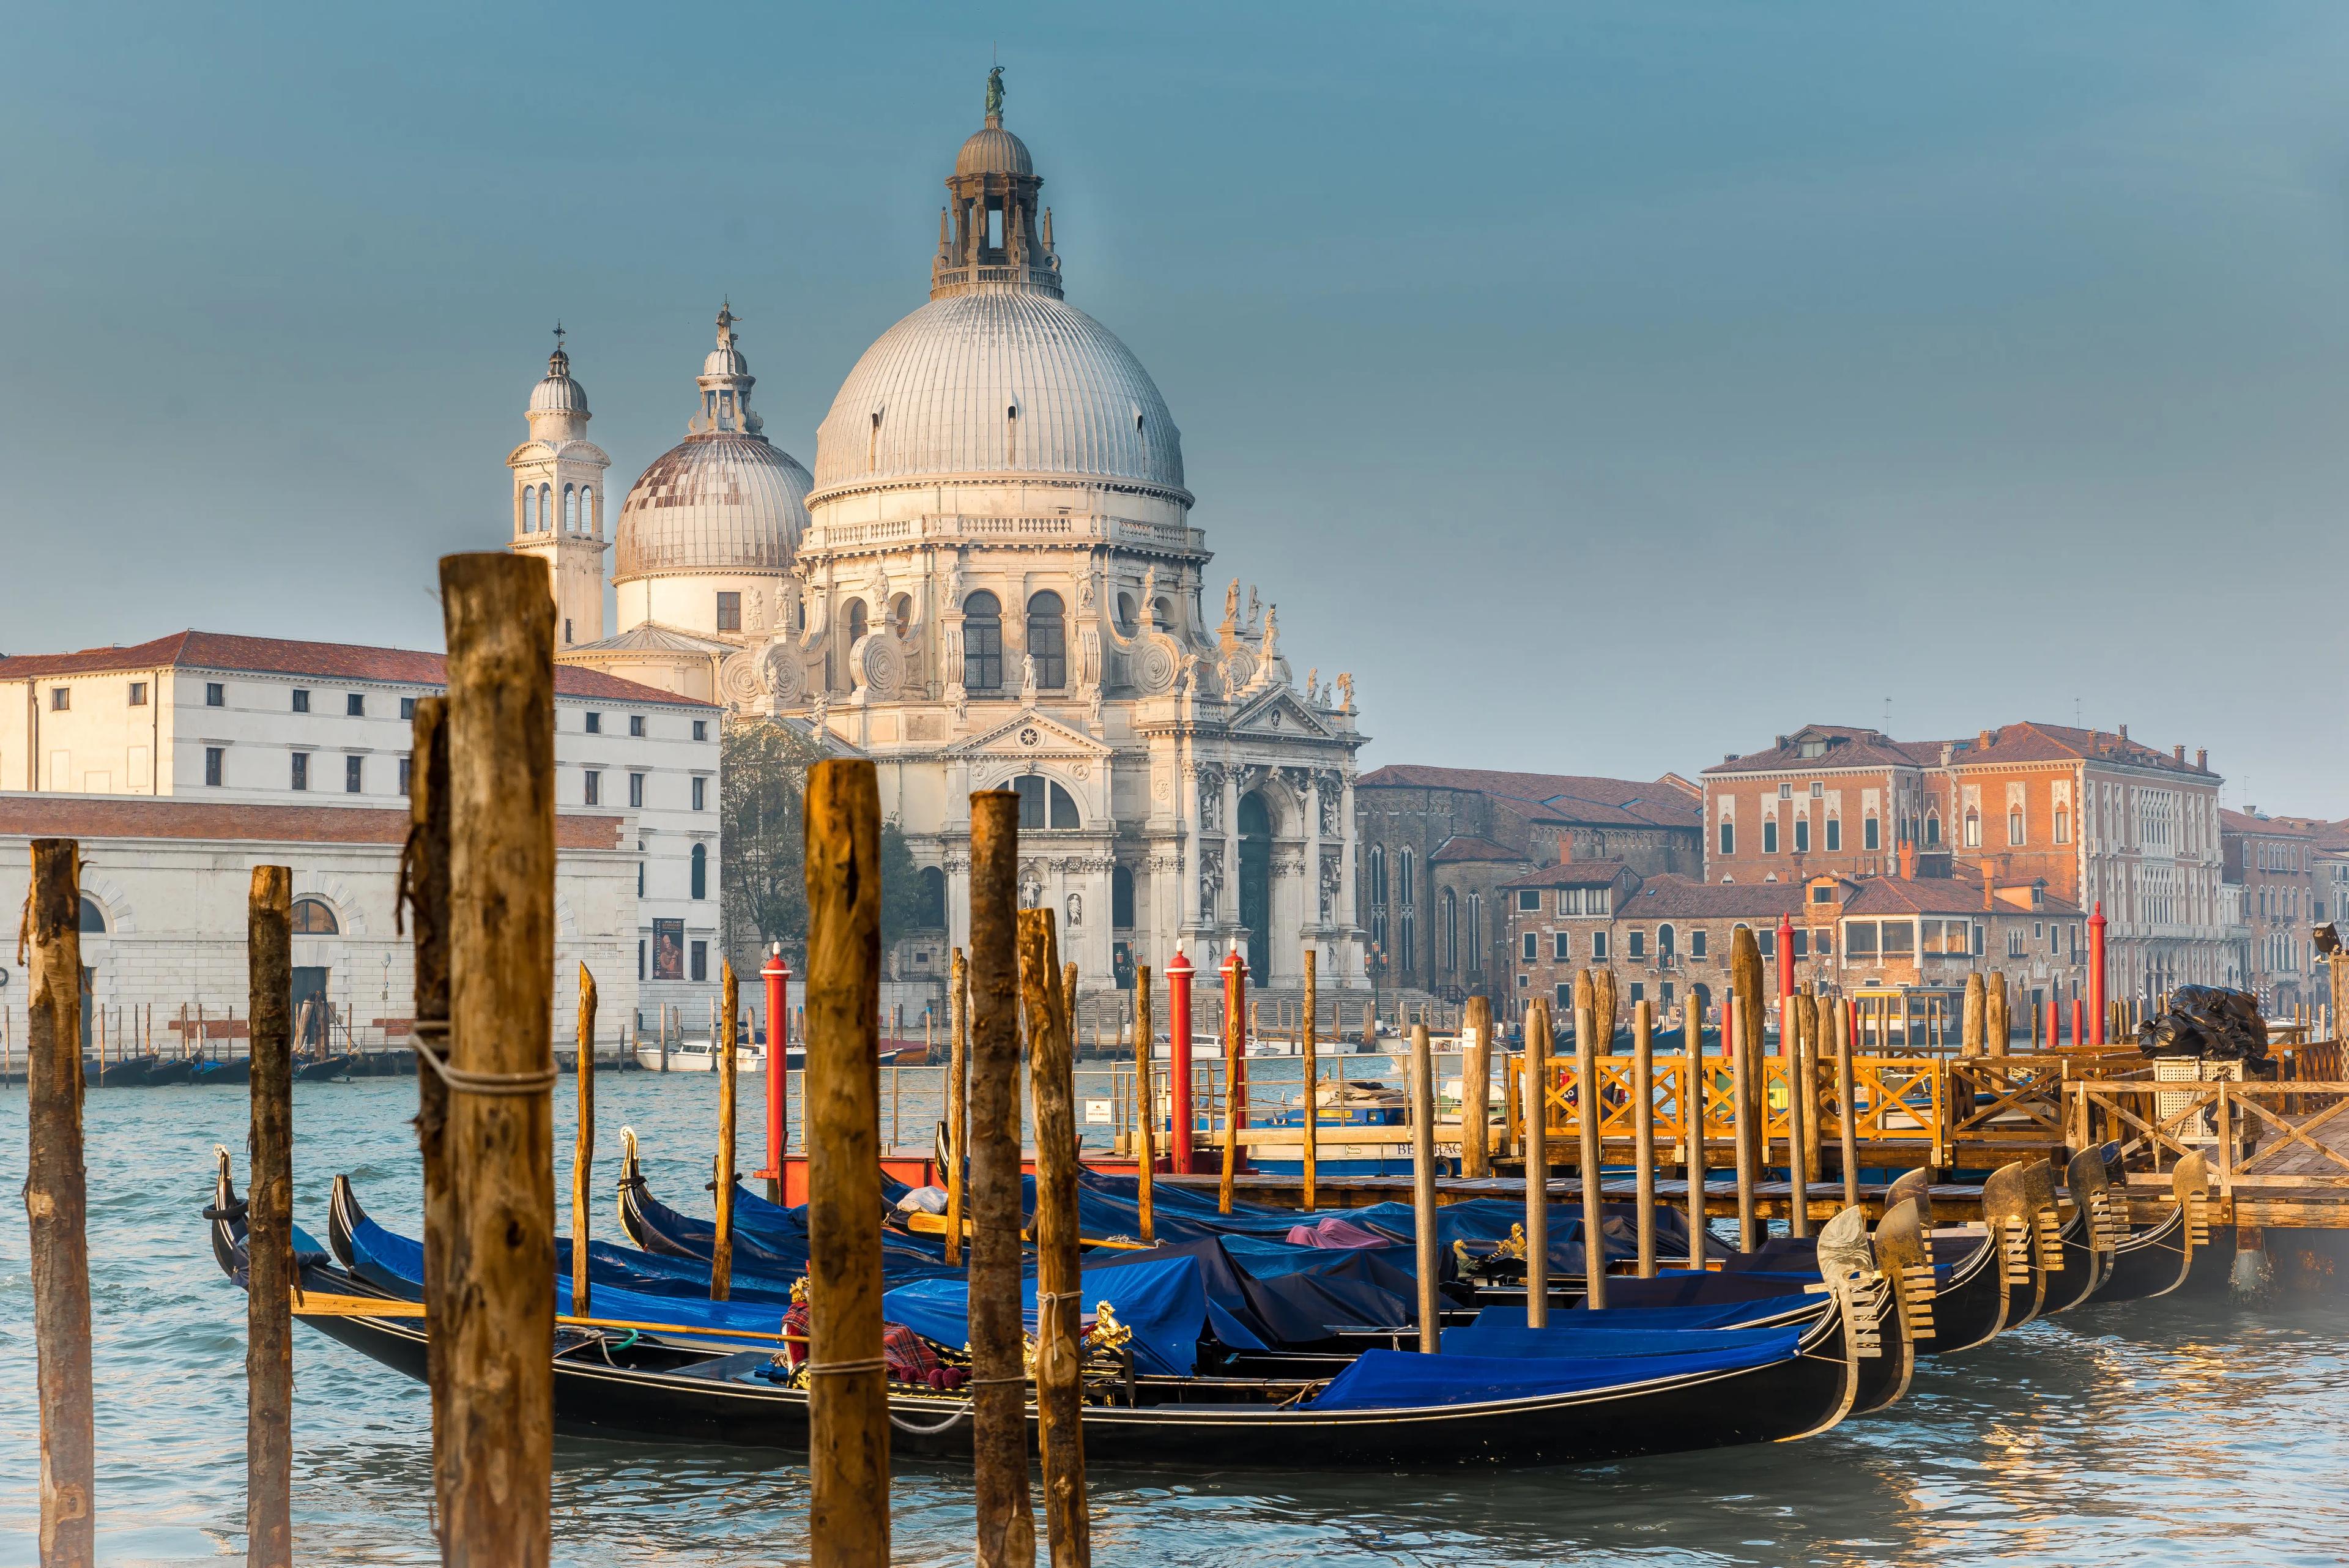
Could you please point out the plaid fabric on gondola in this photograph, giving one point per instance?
(909, 1356)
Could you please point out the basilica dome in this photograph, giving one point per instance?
(1005, 382)
(724, 499)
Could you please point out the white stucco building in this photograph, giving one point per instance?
(285, 752)
(991, 579)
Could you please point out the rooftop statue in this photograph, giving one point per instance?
(994, 92)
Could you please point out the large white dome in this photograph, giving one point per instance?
(717, 503)
(998, 381)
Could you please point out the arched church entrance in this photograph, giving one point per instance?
(1256, 880)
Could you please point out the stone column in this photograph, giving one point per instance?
(1227, 911)
(1312, 925)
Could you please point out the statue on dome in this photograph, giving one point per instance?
(995, 93)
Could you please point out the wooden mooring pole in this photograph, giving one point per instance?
(269, 1226)
(1594, 1211)
(1791, 1049)
(1423, 1185)
(1059, 1290)
(57, 1206)
(424, 898)
(1538, 1037)
(1847, 1100)
(499, 1181)
(1007, 1519)
(1741, 1073)
(721, 1180)
(848, 1383)
(957, 1098)
(1306, 1042)
(1643, 1129)
(582, 1149)
(1145, 1104)
(1235, 1016)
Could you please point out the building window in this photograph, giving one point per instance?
(138, 694)
(2014, 942)
(1871, 832)
(1973, 828)
(640, 877)
(1785, 792)
(312, 918)
(594, 724)
(60, 699)
(982, 642)
(1531, 946)
(1696, 943)
(1529, 900)
(1859, 940)
(729, 612)
(640, 956)
(1562, 946)
(701, 870)
(1834, 834)
(1667, 944)
(1728, 838)
(2014, 825)
(213, 758)
(1598, 946)
(1043, 804)
(1766, 938)
(2062, 826)
(1900, 938)
(1932, 830)
(1638, 993)
(1769, 836)
(301, 700)
(354, 705)
(406, 765)
(592, 793)
(1048, 641)
(1121, 896)
(635, 791)
(1802, 835)
(637, 725)
(701, 961)
(354, 772)
(301, 770)
(702, 729)
(408, 708)
(215, 694)
(700, 793)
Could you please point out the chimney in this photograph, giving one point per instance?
(2125, 732)
(2178, 752)
(1908, 861)
(2202, 758)
(1990, 893)
(1981, 742)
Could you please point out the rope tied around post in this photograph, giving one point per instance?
(462, 1081)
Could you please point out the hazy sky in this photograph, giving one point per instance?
(1607, 387)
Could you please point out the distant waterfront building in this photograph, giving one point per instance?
(184, 762)
(989, 581)
(2282, 865)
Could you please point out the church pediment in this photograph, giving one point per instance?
(1278, 715)
(1030, 734)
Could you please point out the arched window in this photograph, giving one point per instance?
(1043, 804)
(1448, 931)
(2014, 825)
(1375, 886)
(1162, 614)
(312, 917)
(982, 642)
(1665, 938)
(1802, 835)
(901, 614)
(570, 510)
(1121, 898)
(546, 509)
(1477, 932)
(1048, 642)
(587, 518)
(1871, 832)
(93, 918)
(1010, 427)
(856, 620)
(1402, 880)
(1973, 828)
(530, 509)
(932, 914)
(1932, 830)
(701, 870)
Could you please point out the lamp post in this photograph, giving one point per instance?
(1179, 972)
(778, 976)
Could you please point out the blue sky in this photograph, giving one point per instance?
(1607, 387)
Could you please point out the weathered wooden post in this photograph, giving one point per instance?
(1998, 1021)
(1643, 1129)
(1747, 978)
(1145, 1100)
(1007, 1519)
(848, 1384)
(269, 1226)
(957, 1098)
(722, 1165)
(1696, 1095)
(1538, 1037)
(1477, 1091)
(1236, 1017)
(1058, 1288)
(1594, 1212)
(424, 895)
(582, 1151)
(1422, 1187)
(1847, 1100)
(1306, 1041)
(501, 1134)
(57, 1206)
(1793, 1050)
(1742, 1118)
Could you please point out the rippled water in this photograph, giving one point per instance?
(2145, 1432)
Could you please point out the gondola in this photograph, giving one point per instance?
(129, 1073)
(2178, 1247)
(170, 1070)
(232, 1070)
(2088, 1233)
(320, 1069)
(1386, 1409)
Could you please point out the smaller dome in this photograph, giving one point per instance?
(725, 361)
(558, 394)
(994, 150)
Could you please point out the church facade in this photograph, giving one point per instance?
(989, 580)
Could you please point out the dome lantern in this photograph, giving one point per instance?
(991, 233)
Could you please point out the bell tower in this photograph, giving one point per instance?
(559, 502)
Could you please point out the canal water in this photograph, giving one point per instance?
(2153, 1432)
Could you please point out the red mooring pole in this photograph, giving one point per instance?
(778, 976)
(1785, 981)
(2096, 975)
(1178, 1060)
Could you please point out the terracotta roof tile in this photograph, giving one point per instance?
(1465, 846)
(1847, 747)
(1571, 798)
(1577, 874)
(100, 817)
(1679, 897)
(328, 661)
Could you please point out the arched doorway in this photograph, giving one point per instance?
(1256, 880)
